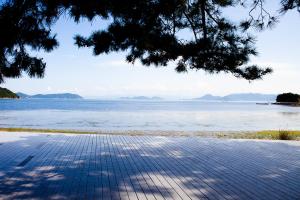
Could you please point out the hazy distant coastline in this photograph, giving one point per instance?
(141, 98)
(238, 97)
(50, 96)
(257, 97)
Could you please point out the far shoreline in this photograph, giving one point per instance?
(293, 104)
(263, 134)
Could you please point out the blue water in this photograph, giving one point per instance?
(146, 115)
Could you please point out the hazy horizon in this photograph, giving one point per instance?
(165, 97)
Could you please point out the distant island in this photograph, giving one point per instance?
(50, 96)
(7, 94)
(141, 98)
(289, 99)
(240, 97)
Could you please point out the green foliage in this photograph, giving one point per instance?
(288, 98)
(23, 24)
(289, 5)
(5, 93)
(147, 30)
(279, 135)
(284, 135)
(150, 33)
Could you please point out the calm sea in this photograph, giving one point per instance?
(146, 115)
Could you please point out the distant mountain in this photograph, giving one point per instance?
(240, 97)
(141, 98)
(50, 96)
(250, 97)
(6, 93)
(209, 97)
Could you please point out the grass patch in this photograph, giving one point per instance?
(267, 135)
(70, 131)
(45, 130)
(280, 134)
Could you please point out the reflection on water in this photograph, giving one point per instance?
(146, 115)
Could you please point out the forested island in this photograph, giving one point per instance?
(6, 93)
(289, 99)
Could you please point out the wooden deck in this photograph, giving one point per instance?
(66, 166)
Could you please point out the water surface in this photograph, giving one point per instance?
(146, 115)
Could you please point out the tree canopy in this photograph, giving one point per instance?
(288, 98)
(149, 31)
(5, 93)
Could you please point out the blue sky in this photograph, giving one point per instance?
(70, 69)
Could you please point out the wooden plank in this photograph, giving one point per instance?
(21, 177)
(173, 183)
(48, 166)
(230, 176)
(125, 174)
(70, 188)
(62, 164)
(146, 167)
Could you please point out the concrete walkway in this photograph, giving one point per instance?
(66, 166)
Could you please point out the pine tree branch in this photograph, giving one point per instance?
(192, 25)
(203, 18)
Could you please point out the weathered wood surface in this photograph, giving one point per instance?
(66, 166)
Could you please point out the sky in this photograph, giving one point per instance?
(74, 70)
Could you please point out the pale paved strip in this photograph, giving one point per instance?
(74, 166)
